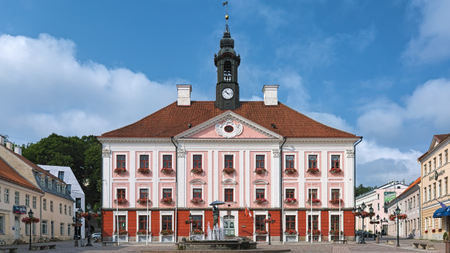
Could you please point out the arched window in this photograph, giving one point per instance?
(227, 71)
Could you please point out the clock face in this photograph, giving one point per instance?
(227, 93)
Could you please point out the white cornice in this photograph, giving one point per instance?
(133, 140)
(322, 140)
(229, 140)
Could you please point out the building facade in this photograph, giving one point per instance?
(258, 158)
(434, 187)
(53, 204)
(409, 205)
(73, 187)
(377, 199)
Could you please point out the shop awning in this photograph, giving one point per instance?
(443, 211)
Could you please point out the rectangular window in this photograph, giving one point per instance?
(65, 209)
(434, 163)
(44, 204)
(143, 161)
(434, 190)
(446, 185)
(166, 222)
(378, 206)
(335, 222)
(61, 175)
(68, 231)
(143, 222)
(34, 202)
(51, 206)
(334, 194)
(17, 198)
(64, 189)
(439, 188)
(335, 160)
(0, 194)
(446, 156)
(49, 181)
(289, 161)
(122, 222)
(167, 161)
(290, 193)
(2, 224)
(424, 169)
(228, 161)
(6, 195)
(27, 229)
(61, 226)
(58, 187)
(228, 195)
(440, 160)
(70, 210)
(197, 163)
(312, 161)
(315, 221)
(42, 181)
(197, 193)
(120, 193)
(260, 193)
(429, 192)
(121, 162)
(44, 227)
(312, 193)
(143, 193)
(290, 222)
(198, 224)
(259, 222)
(167, 193)
(424, 195)
(260, 161)
(27, 200)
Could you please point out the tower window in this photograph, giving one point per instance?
(227, 71)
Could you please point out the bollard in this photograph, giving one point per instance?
(378, 238)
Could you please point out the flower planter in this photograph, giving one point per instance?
(167, 171)
(197, 170)
(335, 170)
(197, 201)
(260, 171)
(313, 202)
(120, 170)
(229, 171)
(290, 171)
(336, 201)
(143, 201)
(313, 170)
(167, 201)
(290, 200)
(120, 201)
(260, 201)
(144, 170)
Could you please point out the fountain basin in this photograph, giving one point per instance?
(216, 245)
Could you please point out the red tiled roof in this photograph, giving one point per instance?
(172, 120)
(411, 186)
(7, 173)
(441, 137)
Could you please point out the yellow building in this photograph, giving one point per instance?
(434, 188)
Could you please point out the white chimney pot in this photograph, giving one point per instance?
(184, 94)
(270, 95)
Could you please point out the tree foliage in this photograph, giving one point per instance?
(82, 155)
(363, 189)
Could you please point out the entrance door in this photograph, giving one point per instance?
(51, 229)
(16, 227)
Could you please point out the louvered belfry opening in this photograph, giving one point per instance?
(227, 71)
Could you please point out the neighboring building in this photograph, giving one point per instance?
(377, 198)
(189, 146)
(53, 205)
(72, 186)
(409, 204)
(434, 187)
(17, 196)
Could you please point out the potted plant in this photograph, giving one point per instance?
(290, 232)
(290, 200)
(335, 170)
(196, 200)
(142, 232)
(197, 170)
(260, 232)
(313, 201)
(229, 171)
(290, 171)
(144, 170)
(426, 231)
(336, 201)
(166, 232)
(120, 170)
(197, 232)
(260, 201)
(167, 200)
(313, 170)
(445, 237)
(260, 171)
(334, 232)
(29, 220)
(78, 224)
(433, 230)
(121, 201)
(167, 170)
(271, 221)
(121, 232)
(143, 200)
(315, 232)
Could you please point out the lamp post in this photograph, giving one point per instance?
(359, 211)
(268, 227)
(30, 214)
(381, 222)
(77, 214)
(75, 221)
(89, 216)
(190, 224)
(397, 213)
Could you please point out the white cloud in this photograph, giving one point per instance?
(430, 44)
(41, 79)
(331, 120)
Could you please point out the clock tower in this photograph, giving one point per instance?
(227, 63)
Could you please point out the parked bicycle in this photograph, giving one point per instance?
(4, 242)
(43, 239)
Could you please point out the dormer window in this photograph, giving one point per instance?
(58, 187)
(64, 189)
(42, 180)
(227, 71)
(49, 183)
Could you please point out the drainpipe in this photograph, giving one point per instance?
(281, 189)
(176, 192)
(354, 181)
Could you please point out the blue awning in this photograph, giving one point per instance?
(443, 211)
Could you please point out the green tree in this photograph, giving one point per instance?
(363, 189)
(82, 155)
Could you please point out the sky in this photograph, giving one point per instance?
(377, 69)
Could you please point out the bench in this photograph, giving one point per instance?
(339, 241)
(104, 243)
(43, 247)
(3, 250)
(427, 246)
(390, 242)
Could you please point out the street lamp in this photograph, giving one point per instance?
(89, 216)
(75, 237)
(358, 212)
(268, 227)
(397, 212)
(30, 214)
(381, 222)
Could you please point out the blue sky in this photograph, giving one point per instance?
(378, 69)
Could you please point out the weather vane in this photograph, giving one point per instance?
(226, 16)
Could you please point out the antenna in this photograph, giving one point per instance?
(226, 16)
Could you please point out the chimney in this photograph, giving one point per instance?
(9, 145)
(184, 94)
(18, 150)
(270, 95)
(2, 139)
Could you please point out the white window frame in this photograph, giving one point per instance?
(258, 187)
(229, 186)
(234, 161)
(341, 221)
(61, 228)
(192, 161)
(58, 187)
(44, 224)
(290, 213)
(42, 180)
(318, 193)
(265, 213)
(34, 202)
(17, 198)
(148, 192)
(6, 195)
(318, 160)
(44, 204)
(27, 200)
(162, 192)
(254, 159)
(318, 213)
(164, 213)
(49, 182)
(115, 221)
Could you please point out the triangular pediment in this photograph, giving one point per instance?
(229, 125)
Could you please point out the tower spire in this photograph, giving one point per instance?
(226, 16)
